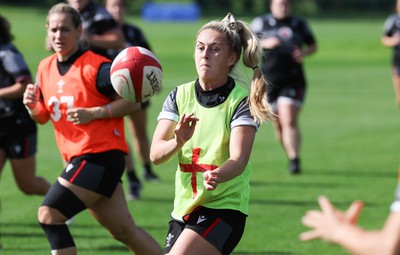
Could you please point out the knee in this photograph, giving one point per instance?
(37, 186)
(120, 234)
(27, 188)
(47, 215)
(289, 122)
(123, 234)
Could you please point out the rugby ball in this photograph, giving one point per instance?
(136, 74)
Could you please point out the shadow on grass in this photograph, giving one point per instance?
(261, 253)
(158, 200)
(296, 184)
(282, 203)
(115, 249)
(29, 230)
(304, 203)
(21, 234)
(352, 173)
(123, 249)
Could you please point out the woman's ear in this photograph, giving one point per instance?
(80, 31)
(232, 59)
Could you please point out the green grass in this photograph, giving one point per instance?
(350, 147)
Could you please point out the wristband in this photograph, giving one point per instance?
(110, 114)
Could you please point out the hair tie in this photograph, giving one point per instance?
(231, 23)
(255, 67)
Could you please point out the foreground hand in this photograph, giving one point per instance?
(329, 220)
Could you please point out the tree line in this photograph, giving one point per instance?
(336, 8)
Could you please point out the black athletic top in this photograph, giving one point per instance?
(133, 37)
(13, 69)
(278, 63)
(391, 27)
(96, 20)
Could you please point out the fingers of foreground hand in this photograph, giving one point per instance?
(326, 205)
(311, 218)
(351, 215)
(309, 235)
(317, 221)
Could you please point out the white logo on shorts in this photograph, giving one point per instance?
(68, 168)
(17, 148)
(201, 219)
(169, 238)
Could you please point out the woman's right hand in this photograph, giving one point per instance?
(31, 95)
(185, 128)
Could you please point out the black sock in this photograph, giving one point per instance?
(295, 160)
(147, 167)
(132, 176)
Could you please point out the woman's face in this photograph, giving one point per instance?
(116, 9)
(62, 34)
(213, 56)
(281, 9)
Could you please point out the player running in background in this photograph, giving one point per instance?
(286, 40)
(210, 125)
(68, 81)
(100, 31)
(18, 132)
(137, 121)
(391, 38)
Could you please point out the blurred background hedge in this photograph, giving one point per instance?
(311, 8)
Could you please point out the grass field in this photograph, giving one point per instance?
(350, 127)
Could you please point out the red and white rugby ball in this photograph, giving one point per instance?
(136, 74)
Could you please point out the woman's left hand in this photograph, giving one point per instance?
(297, 54)
(80, 115)
(211, 179)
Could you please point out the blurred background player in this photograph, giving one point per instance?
(286, 40)
(100, 31)
(18, 132)
(391, 38)
(70, 80)
(137, 121)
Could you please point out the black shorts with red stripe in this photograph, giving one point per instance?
(221, 227)
(98, 172)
